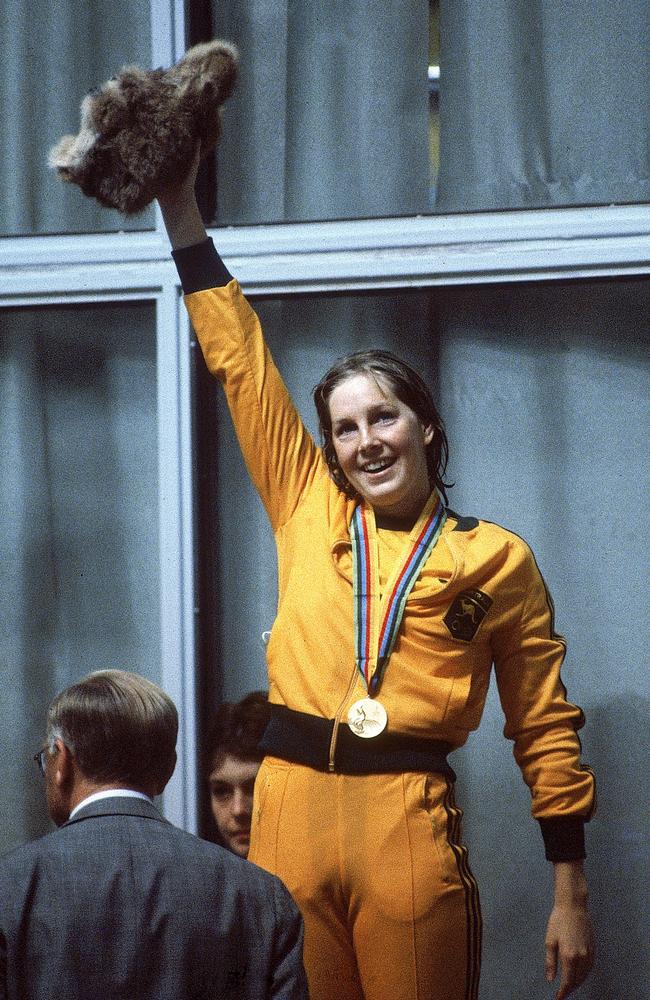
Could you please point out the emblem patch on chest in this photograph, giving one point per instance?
(466, 614)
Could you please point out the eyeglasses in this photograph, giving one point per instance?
(40, 758)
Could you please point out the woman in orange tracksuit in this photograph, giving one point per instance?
(391, 612)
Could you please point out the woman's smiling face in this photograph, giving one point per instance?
(380, 445)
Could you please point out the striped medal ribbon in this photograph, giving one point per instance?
(377, 623)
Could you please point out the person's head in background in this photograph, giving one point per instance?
(232, 761)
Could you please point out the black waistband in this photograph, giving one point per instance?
(306, 739)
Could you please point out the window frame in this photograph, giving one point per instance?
(286, 259)
(152, 283)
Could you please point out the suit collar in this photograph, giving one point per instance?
(117, 805)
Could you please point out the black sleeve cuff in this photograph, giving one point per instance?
(564, 838)
(200, 266)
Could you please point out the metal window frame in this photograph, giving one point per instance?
(288, 259)
(155, 284)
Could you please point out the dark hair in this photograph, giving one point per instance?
(409, 388)
(236, 730)
(119, 727)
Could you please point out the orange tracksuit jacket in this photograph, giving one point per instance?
(437, 678)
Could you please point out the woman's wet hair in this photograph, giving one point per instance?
(407, 386)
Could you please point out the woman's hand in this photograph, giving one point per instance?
(180, 211)
(569, 935)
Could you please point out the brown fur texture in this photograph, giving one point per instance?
(139, 130)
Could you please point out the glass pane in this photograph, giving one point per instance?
(433, 73)
(352, 110)
(79, 512)
(543, 104)
(330, 117)
(45, 73)
(548, 436)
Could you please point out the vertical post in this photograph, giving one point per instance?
(167, 31)
(167, 19)
(176, 520)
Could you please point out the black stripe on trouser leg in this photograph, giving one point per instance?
(472, 903)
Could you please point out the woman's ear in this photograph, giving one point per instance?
(428, 434)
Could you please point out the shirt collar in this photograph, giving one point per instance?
(109, 793)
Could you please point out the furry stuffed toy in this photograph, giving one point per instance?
(139, 130)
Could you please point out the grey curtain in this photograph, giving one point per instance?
(546, 392)
(51, 55)
(330, 116)
(543, 103)
(79, 514)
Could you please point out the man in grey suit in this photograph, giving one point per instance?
(117, 902)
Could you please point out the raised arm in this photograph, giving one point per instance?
(180, 210)
(279, 453)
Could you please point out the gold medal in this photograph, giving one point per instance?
(367, 718)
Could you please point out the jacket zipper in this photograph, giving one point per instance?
(337, 719)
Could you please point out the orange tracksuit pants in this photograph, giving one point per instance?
(377, 867)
